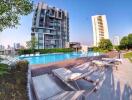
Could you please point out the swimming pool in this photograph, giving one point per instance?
(49, 58)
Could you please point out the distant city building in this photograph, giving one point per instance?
(9, 50)
(9, 47)
(17, 46)
(100, 28)
(2, 47)
(50, 25)
(116, 40)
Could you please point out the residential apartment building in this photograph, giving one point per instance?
(50, 25)
(100, 28)
(116, 40)
(17, 46)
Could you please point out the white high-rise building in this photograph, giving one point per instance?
(100, 28)
(116, 40)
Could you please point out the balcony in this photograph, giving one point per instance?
(48, 33)
(50, 42)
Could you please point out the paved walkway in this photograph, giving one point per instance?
(117, 84)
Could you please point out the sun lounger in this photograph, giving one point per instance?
(112, 60)
(94, 74)
(95, 77)
(22, 56)
(85, 71)
(101, 63)
(27, 55)
(45, 87)
(37, 54)
(3, 56)
(5, 62)
(10, 61)
(31, 55)
(66, 75)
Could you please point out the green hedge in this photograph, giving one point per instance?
(43, 51)
(97, 49)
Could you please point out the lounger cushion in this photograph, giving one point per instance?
(74, 76)
(112, 60)
(97, 62)
(65, 74)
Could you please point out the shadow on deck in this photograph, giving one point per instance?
(111, 89)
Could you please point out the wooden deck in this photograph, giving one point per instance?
(116, 85)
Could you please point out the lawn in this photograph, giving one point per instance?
(128, 55)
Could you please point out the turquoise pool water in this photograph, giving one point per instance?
(49, 58)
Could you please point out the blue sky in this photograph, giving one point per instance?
(118, 13)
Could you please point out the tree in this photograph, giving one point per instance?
(11, 10)
(124, 42)
(105, 44)
(117, 48)
(130, 41)
(32, 44)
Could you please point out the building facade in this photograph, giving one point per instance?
(50, 26)
(100, 28)
(116, 40)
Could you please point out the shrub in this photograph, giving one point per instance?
(95, 49)
(117, 48)
(13, 86)
(3, 69)
(43, 51)
(22, 65)
(25, 51)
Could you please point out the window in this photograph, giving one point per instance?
(42, 11)
(52, 12)
(40, 30)
(59, 14)
(40, 41)
(47, 31)
(40, 36)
